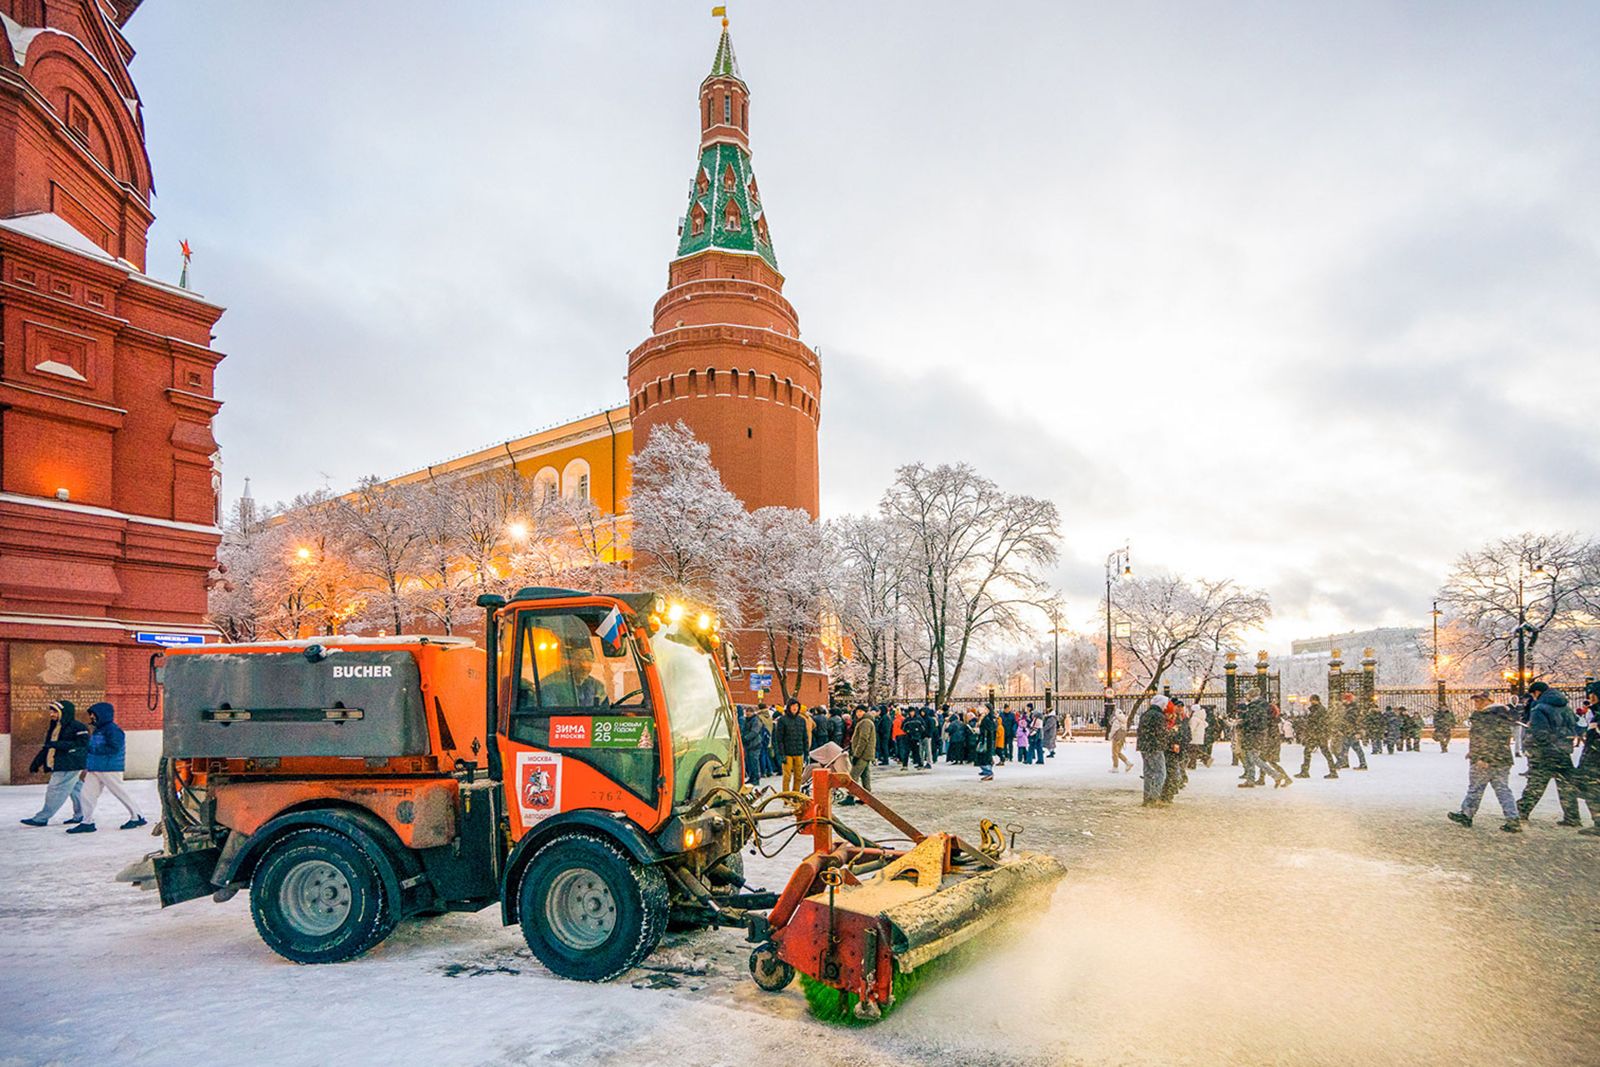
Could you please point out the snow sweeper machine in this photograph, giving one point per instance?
(582, 772)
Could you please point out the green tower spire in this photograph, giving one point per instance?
(725, 209)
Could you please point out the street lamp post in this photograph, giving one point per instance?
(1118, 565)
(1438, 682)
(1520, 684)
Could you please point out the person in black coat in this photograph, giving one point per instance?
(1154, 740)
(983, 745)
(885, 735)
(957, 735)
(792, 740)
(64, 755)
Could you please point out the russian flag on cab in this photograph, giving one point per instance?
(611, 626)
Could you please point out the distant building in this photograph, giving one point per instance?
(108, 469)
(1353, 642)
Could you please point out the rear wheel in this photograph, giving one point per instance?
(316, 898)
(589, 911)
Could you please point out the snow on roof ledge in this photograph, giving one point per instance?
(52, 229)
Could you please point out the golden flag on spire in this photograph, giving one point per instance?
(719, 12)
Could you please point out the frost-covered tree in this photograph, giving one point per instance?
(1556, 576)
(443, 582)
(783, 563)
(973, 555)
(686, 524)
(236, 597)
(1173, 623)
(865, 579)
(381, 534)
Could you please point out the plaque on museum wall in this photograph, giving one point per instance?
(43, 672)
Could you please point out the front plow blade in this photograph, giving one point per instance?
(858, 944)
(925, 928)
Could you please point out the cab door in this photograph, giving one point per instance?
(581, 723)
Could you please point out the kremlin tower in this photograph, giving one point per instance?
(725, 357)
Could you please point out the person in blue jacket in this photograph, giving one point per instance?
(108, 751)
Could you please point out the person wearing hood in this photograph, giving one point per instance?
(1489, 730)
(66, 743)
(1550, 730)
(103, 767)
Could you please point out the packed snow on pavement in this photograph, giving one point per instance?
(1328, 922)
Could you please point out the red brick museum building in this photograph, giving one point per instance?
(108, 490)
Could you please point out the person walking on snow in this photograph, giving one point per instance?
(1444, 721)
(103, 767)
(1550, 732)
(863, 746)
(1314, 727)
(65, 748)
(1489, 732)
(1262, 744)
(1117, 730)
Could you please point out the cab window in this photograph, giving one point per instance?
(564, 664)
(581, 695)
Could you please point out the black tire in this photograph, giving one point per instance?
(623, 905)
(318, 863)
(770, 973)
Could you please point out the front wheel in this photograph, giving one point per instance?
(316, 898)
(771, 973)
(589, 911)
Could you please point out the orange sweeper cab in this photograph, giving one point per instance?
(584, 773)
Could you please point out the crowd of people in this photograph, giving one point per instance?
(1172, 737)
(1562, 746)
(777, 743)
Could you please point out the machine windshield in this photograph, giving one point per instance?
(697, 706)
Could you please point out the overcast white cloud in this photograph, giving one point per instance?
(1304, 294)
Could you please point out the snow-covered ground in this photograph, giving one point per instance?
(1329, 922)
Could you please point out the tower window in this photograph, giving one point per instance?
(727, 108)
(697, 221)
(727, 178)
(731, 218)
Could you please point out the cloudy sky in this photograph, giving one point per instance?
(1302, 294)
